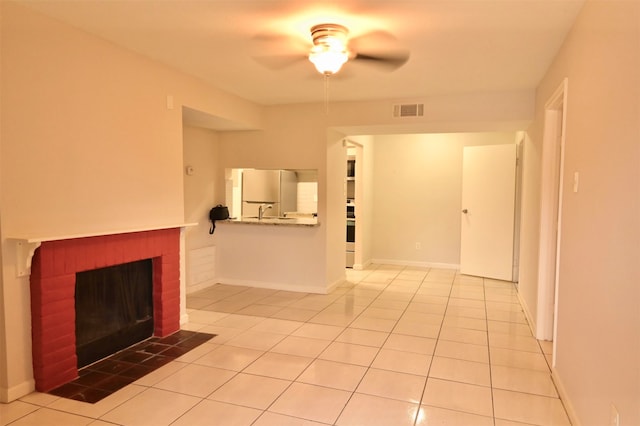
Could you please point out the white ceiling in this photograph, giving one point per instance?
(457, 46)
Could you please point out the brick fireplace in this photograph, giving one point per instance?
(53, 273)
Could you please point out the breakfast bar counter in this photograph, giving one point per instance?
(273, 221)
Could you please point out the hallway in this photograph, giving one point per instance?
(392, 346)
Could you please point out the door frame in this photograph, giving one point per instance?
(551, 192)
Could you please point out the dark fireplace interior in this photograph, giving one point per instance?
(114, 309)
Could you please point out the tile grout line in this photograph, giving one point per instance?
(368, 368)
(345, 326)
(435, 347)
(294, 380)
(486, 316)
(404, 311)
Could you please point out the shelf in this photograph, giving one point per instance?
(26, 245)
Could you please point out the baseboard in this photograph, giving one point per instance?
(416, 264)
(11, 394)
(361, 266)
(197, 287)
(273, 285)
(527, 314)
(564, 396)
(335, 284)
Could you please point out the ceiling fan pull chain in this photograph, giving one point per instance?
(326, 94)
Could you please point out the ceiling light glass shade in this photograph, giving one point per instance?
(328, 59)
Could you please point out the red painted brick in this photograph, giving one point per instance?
(65, 318)
(65, 338)
(57, 322)
(170, 275)
(56, 308)
(59, 254)
(166, 328)
(171, 291)
(169, 313)
(83, 259)
(53, 283)
(51, 380)
(55, 287)
(57, 358)
(172, 297)
(44, 259)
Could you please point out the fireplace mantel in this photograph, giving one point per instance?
(26, 246)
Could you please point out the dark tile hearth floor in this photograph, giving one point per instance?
(101, 379)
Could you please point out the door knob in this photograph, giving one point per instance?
(465, 211)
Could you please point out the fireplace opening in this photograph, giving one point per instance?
(114, 309)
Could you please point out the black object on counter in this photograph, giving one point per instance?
(219, 212)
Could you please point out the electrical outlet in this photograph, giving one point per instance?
(614, 419)
(418, 246)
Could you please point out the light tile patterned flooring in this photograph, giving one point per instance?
(393, 346)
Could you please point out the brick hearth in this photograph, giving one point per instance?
(53, 270)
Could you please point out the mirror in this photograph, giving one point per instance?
(291, 193)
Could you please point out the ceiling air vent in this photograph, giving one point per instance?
(408, 110)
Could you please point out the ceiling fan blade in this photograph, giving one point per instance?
(389, 61)
(278, 62)
(373, 38)
(379, 48)
(278, 51)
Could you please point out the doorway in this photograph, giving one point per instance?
(354, 205)
(551, 213)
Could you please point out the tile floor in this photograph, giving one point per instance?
(393, 346)
(100, 379)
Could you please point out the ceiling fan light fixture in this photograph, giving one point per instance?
(328, 60)
(329, 51)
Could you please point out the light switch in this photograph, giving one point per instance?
(576, 181)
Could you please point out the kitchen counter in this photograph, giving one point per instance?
(274, 221)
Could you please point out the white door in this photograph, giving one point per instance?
(488, 210)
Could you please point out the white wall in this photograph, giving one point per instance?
(200, 153)
(598, 323)
(417, 195)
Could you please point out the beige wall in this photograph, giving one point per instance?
(417, 195)
(88, 129)
(200, 148)
(469, 112)
(598, 325)
(88, 145)
(293, 137)
(201, 193)
(530, 221)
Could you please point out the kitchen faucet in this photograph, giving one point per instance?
(262, 209)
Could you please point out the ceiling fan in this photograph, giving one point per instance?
(332, 48)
